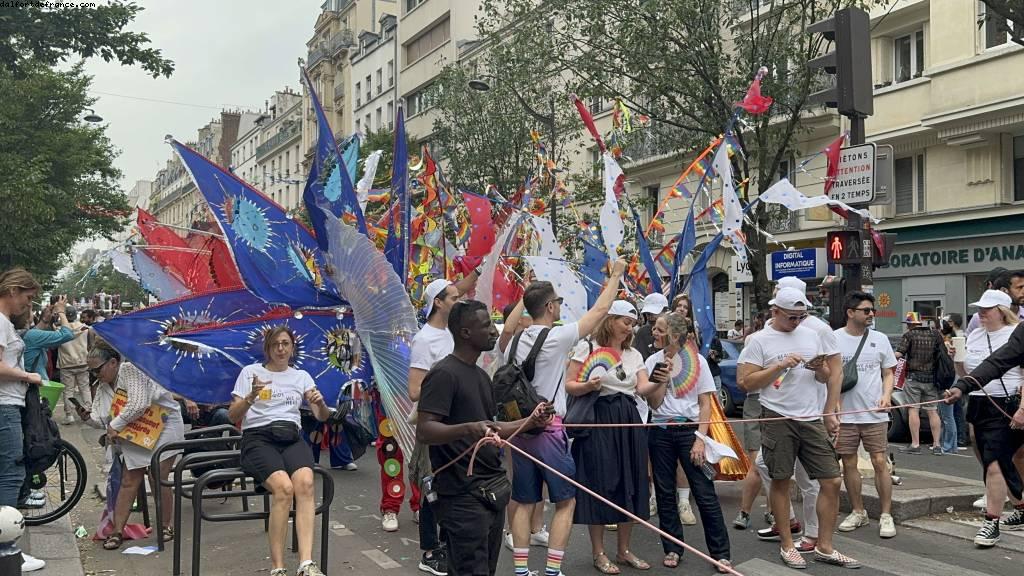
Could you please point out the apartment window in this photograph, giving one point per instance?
(287, 163)
(596, 105)
(369, 127)
(651, 194)
(380, 118)
(419, 101)
(427, 42)
(787, 169)
(369, 89)
(908, 54)
(994, 29)
(1018, 168)
(380, 80)
(595, 160)
(357, 124)
(391, 115)
(391, 73)
(910, 184)
(359, 94)
(410, 4)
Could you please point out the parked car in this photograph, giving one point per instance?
(731, 396)
(899, 420)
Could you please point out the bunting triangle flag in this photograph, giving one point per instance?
(277, 258)
(612, 228)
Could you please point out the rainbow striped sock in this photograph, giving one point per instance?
(521, 560)
(554, 566)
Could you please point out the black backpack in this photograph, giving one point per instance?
(41, 433)
(945, 371)
(513, 389)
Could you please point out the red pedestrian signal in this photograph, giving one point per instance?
(844, 247)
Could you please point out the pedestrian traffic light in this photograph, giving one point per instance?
(833, 293)
(881, 254)
(850, 62)
(844, 247)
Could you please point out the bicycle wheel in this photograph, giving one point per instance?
(62, 486)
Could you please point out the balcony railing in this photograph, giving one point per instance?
(172, 196)
(341, 40)
(277, 139)
(316, 55)
(653, 140)
(781, 219)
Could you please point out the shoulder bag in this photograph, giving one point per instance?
(850, 368)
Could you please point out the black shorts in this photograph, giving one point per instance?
(262, 455)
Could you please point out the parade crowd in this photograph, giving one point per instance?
(508, 419)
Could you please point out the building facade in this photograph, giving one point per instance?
(374, 86)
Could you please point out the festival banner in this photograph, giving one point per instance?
(145, 430)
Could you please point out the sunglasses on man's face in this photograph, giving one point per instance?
(795, 318)
(559, 300)
(94, 373)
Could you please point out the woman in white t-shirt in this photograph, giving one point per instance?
(612, 461)
(995, 442)
(676, 395)
(266, 401)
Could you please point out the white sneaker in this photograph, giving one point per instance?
(37, 495)
(390, 522)
(540, 538)
(508, 541)
(654, 506)
(351, 467)
(415, 516)
(980, 503)
(31, 563)
(853, 521)
(886, 526)
(686, 516)
(69, 420)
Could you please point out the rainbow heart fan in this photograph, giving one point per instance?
(599, 363)
(689, 370)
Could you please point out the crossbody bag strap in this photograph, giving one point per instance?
(1003, 384)
(512, 350)
(860, 346)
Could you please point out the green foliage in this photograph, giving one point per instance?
(684, 63)
(58, 184)
(35, 34)
(1011, 17)
(103, 279)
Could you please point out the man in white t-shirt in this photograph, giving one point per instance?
(875, 362)
(551, 445)
(786, 362)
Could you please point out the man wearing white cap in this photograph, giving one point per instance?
(787, 363)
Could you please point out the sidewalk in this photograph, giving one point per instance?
(56, 544)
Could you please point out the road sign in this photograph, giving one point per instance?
(855, 180)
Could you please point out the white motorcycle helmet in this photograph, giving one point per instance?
(12, 524)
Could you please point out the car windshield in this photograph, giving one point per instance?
(731, 349)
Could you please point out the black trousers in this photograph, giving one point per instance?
(669, 446)
(474, 534)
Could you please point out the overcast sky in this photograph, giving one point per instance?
(227, 53)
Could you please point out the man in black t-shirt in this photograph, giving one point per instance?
(456, 409)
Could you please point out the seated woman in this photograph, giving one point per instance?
(266, 401)
(107, 366)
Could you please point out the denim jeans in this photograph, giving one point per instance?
(948, 438)
(669, 446)
(960, 415)
(12, 466)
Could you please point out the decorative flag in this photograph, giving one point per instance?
(366, 182)
(384, 319)
(832, 156)
(396, 248)
(325, 346)
(154, 278)
(612, 228)
(202, 376)
(482, 233)
(593, 271)
(567, 285)
(645, 255)
(687, 241)
(588, 121)
(329, 185)
(225, 273)
(783, 192)
(754, 103)
(277, 257)
(701, 297)
(733, 219)
(174, 253)
(492, 280)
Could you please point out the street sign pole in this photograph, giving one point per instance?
(858, 276)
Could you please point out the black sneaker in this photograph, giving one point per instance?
(988, 534)
(1015, 521)
(772, 534)
(436, 564)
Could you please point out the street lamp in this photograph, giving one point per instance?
(479, 85)
(92, 117)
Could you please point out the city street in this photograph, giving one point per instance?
(938, 545)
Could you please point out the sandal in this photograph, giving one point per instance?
(671, 560)
(723, 565)
(633, 561)
(606, 566)
(113, 542)
(168, 533)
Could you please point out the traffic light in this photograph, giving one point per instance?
(833, 293)
(844, 247)
(850, 61)
(880, 256)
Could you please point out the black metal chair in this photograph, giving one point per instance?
(231, 474)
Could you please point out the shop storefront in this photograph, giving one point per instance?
(941, 276)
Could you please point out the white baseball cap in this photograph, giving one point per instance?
(792, 282)
(433, 290)
(622, 308)
(993, 298)
(789, 299)
(655, 303)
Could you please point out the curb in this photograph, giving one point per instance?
(56, 544)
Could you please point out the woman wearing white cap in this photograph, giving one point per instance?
(996, 441)
(612, 461)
